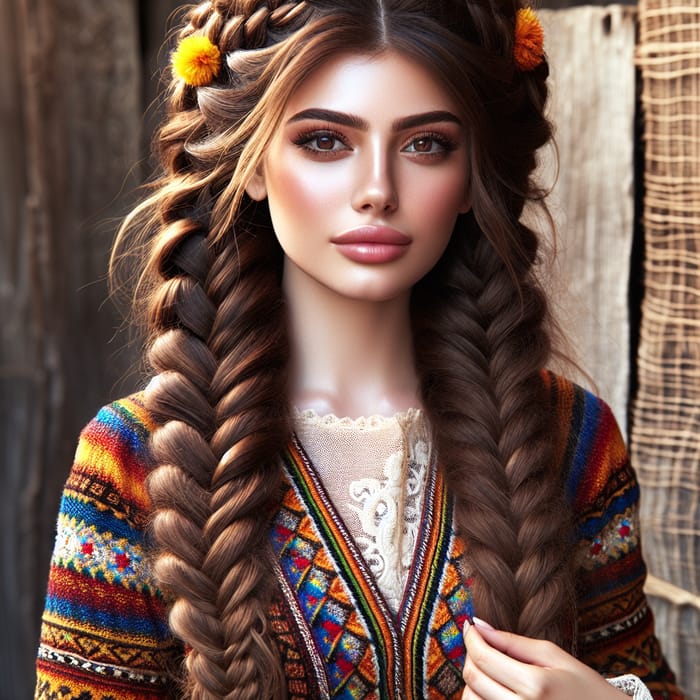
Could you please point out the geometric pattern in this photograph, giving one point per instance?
(99, 554)
(365, 651)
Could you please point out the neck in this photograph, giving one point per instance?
(350, 357)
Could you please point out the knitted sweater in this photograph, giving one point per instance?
(105, 634)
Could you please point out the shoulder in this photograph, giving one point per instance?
(112, 460)
(104, 625)
(590, 448)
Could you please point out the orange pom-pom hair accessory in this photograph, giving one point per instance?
(528, 51)
(196, 61)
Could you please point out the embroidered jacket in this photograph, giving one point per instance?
(105, 634)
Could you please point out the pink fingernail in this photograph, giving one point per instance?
(468, 622)
(482, 624)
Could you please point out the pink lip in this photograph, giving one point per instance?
(372, 244)
(372, 235)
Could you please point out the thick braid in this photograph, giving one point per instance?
(220, 349)
(222, 425)
(520, 348)
(482, 355)
(510, 325)
(453, 352)
(243, 24)
(480, 360)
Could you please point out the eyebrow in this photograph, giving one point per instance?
(356, 122)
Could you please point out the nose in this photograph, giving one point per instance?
(375, 190)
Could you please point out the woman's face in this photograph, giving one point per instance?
(365, 176)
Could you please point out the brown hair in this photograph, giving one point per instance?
(217, 337)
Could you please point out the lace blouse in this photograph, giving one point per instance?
(374, 470)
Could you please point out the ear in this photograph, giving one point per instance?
(467, 201)
(466, 204)
(256, 188)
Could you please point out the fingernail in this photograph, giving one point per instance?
(482, 624)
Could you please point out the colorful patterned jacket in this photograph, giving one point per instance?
(105, 634)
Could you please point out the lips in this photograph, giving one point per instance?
(372, 245)
(372, 235)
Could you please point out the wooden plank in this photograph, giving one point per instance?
(68, 142)
(16, 370)
(591, 54)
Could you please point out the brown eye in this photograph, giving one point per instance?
(423, 145)
(325, 142)
(432, 145)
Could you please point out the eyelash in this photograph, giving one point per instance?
(303, 139)
(306, 137)
(446, 144)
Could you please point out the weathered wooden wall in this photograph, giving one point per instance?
(70, 100)
(592, 201)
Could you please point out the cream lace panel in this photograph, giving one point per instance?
(631, 686)
(374, 470)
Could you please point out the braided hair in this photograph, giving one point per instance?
(217, 338)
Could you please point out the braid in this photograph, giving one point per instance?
(219, 346)
(244, 24)
(480, 361)
(217, 402)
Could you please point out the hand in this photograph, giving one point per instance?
(505, 666)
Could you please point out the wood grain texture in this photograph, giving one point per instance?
(591, 54)
(71, 110)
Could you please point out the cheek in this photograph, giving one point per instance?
(439, 199)
(288, 192)
(298, 194)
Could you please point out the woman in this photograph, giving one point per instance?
(350, 443)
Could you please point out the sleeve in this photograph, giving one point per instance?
(104, 633)
(615, 624)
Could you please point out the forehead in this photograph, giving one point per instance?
(386, 83)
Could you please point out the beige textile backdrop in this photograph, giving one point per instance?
(666, 416)
(593, 105)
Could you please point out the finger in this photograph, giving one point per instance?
(509, 673)
(480, 685)
(530, 651)
(469, 694)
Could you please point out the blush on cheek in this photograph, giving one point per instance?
(443, 203)
(301, 194)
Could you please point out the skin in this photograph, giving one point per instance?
(361, 163)
(505, 666)
(389, 150)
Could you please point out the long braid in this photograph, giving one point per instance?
(480, 360)
(483, 341)
(222, 425)
(219, 347)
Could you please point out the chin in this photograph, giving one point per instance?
(377, 295)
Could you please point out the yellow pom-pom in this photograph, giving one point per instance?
(196, 60)
(528, 50)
